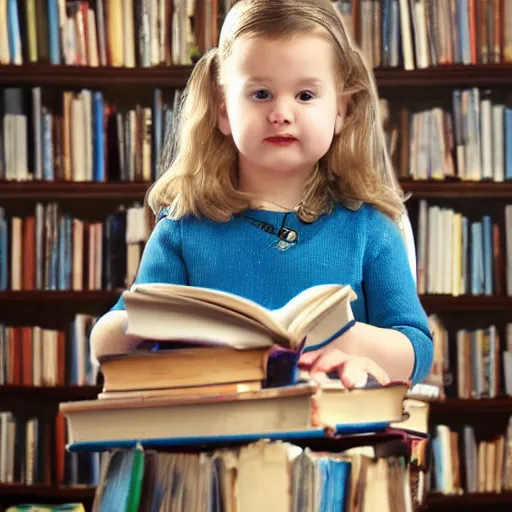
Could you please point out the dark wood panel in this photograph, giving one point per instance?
(458, 189)
(487, 75)
(452, 406)
(84, 76)
(475, 501)
(469, 303)
(53, 393)
(47, 190)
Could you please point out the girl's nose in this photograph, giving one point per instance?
(281, 114)
(279, 118)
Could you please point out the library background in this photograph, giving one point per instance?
(87, 95)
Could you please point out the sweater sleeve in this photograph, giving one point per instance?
(161, 261)
(390, 292)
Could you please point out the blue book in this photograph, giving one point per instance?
(487, 254)
(53, 31)
(13, 32)
(98, 134)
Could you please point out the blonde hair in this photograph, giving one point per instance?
(202, 178)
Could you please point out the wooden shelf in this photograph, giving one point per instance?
(455, 406)
(54, 393)
(85, 76)
(468, 501)
(58, 296)
(465, 303)
(48, 190)
(432, 303)
(47, 491)
(487, 75)
(458, 189)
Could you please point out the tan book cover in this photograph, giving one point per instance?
(295, 410)
(181, 368)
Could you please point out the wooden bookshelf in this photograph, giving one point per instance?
(454, 406)
(85, 76)
(474, 501)
(432, 303)
(47, 493)
(58, 296)
(458, 189)
(466, 303)
(53, 393)
(49, 190)
(390, 82)
(487, 75)
(122, 191)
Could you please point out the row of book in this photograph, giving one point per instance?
(419, 34)
(259, 476)
(471, 363)
(463, 464)
(472, 141)
(32, 451)
(81, 137)
(458, 255)
(117, 33)
(34, 356)
(52, 250)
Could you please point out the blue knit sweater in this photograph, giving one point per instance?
(362, 248)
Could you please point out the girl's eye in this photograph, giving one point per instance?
(261, 95)
(305, 96)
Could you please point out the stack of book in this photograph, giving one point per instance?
(224, 374)
(223, 384)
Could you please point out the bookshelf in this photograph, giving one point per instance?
(109, 193)
(12, 494)
(476, 501)
(101, 198)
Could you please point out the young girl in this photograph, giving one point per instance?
(281, 181)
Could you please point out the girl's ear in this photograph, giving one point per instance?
(223, 120)
(341, 114)
(338, 125)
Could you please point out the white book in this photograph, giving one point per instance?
(128, 34)
(86, 133)
(448, 251)
(5, 57)
(486, 138)
(498, 145)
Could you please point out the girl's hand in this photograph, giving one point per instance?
(352, 370)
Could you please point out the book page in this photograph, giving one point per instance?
(327, 318)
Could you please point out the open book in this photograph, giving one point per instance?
(170, 312)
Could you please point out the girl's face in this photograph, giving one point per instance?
(281, 104)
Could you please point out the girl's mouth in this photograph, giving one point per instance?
(281, 141)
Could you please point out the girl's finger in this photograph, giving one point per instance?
(352, 372)
(328, 361)
(308, 358)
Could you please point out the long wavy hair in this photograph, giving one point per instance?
(202, 178)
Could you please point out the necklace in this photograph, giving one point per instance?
(286, 209)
